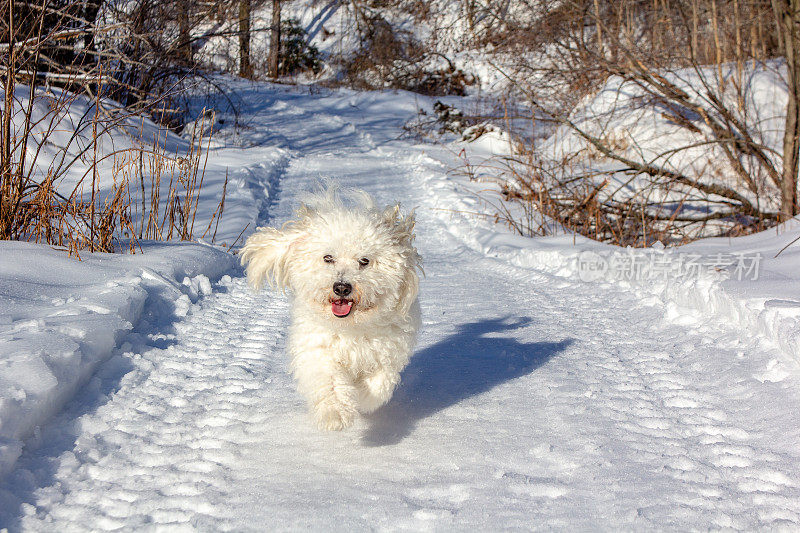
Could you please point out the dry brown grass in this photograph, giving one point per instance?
(159, 189)
(536, 198)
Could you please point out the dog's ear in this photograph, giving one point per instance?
(401, 226)
(409, 290)
(266, 254)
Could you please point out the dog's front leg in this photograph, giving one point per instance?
(329, 389)
(376, 389)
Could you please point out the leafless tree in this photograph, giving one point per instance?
(275, 40)
(787, 14)
(184, 45)
(245, 66)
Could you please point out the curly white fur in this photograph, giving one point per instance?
(343, 365)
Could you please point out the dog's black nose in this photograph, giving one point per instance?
(342, 289)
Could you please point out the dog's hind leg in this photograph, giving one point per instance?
(329, 390)
(376, 389)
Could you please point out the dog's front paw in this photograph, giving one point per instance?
(376, 390)
(333, 417)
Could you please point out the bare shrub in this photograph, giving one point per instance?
(56, 194)
(72, 172)
(677, 144)
(391, 57)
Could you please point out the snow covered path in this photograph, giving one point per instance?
(533, 402)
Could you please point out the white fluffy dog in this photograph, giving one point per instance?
(352, 272)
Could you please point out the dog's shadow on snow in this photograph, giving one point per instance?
(471, 361)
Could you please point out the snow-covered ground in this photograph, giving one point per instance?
(535, 400)
(60, 318)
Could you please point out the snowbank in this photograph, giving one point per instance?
(637, 125)
(735, 282)
(731, 282)
(60, 318)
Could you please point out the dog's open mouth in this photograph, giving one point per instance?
(341, 308)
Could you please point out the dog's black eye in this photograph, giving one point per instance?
(363, 261)
(328, 259)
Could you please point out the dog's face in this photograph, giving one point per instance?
(350, 267)
(346, 265)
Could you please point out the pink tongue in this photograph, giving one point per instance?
(341, 307)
